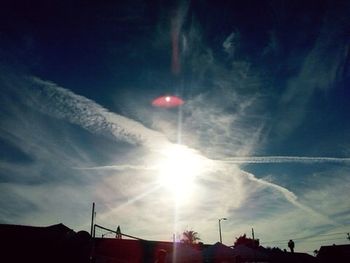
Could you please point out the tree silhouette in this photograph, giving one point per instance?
(246, 241)
(190, 237)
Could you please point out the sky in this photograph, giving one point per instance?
(262, 138)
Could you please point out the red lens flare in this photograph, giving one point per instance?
(168, 101)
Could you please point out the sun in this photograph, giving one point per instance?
(178, 169)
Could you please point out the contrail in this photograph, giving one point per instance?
(61, 103)
(117, 167)
(283, 159)
(291, 197)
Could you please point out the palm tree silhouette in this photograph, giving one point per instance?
(190, 237)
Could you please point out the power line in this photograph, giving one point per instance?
(301, 238)
(310, 241)
(320, 240)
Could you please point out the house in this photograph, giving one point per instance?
(334, 253)
(56, 243)
(219, 253)
(288, 257)
(127, 250)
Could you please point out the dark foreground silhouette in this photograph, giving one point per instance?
(59, 243)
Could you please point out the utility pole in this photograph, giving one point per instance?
(220, 228)
(253, 233)
(92, 219)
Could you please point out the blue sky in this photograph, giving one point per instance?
(262, 139)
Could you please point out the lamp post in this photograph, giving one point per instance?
(220, 227)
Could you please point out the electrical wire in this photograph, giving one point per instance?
(302, 238)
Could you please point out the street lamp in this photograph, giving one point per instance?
(220, 227)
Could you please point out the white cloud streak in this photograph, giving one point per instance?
(117, 167)
(284, 159)
(291, 197)
(61, 103)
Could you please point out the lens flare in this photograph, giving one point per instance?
(169, 101)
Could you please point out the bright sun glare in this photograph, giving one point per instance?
(178, 170)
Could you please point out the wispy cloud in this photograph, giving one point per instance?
(319, 71)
